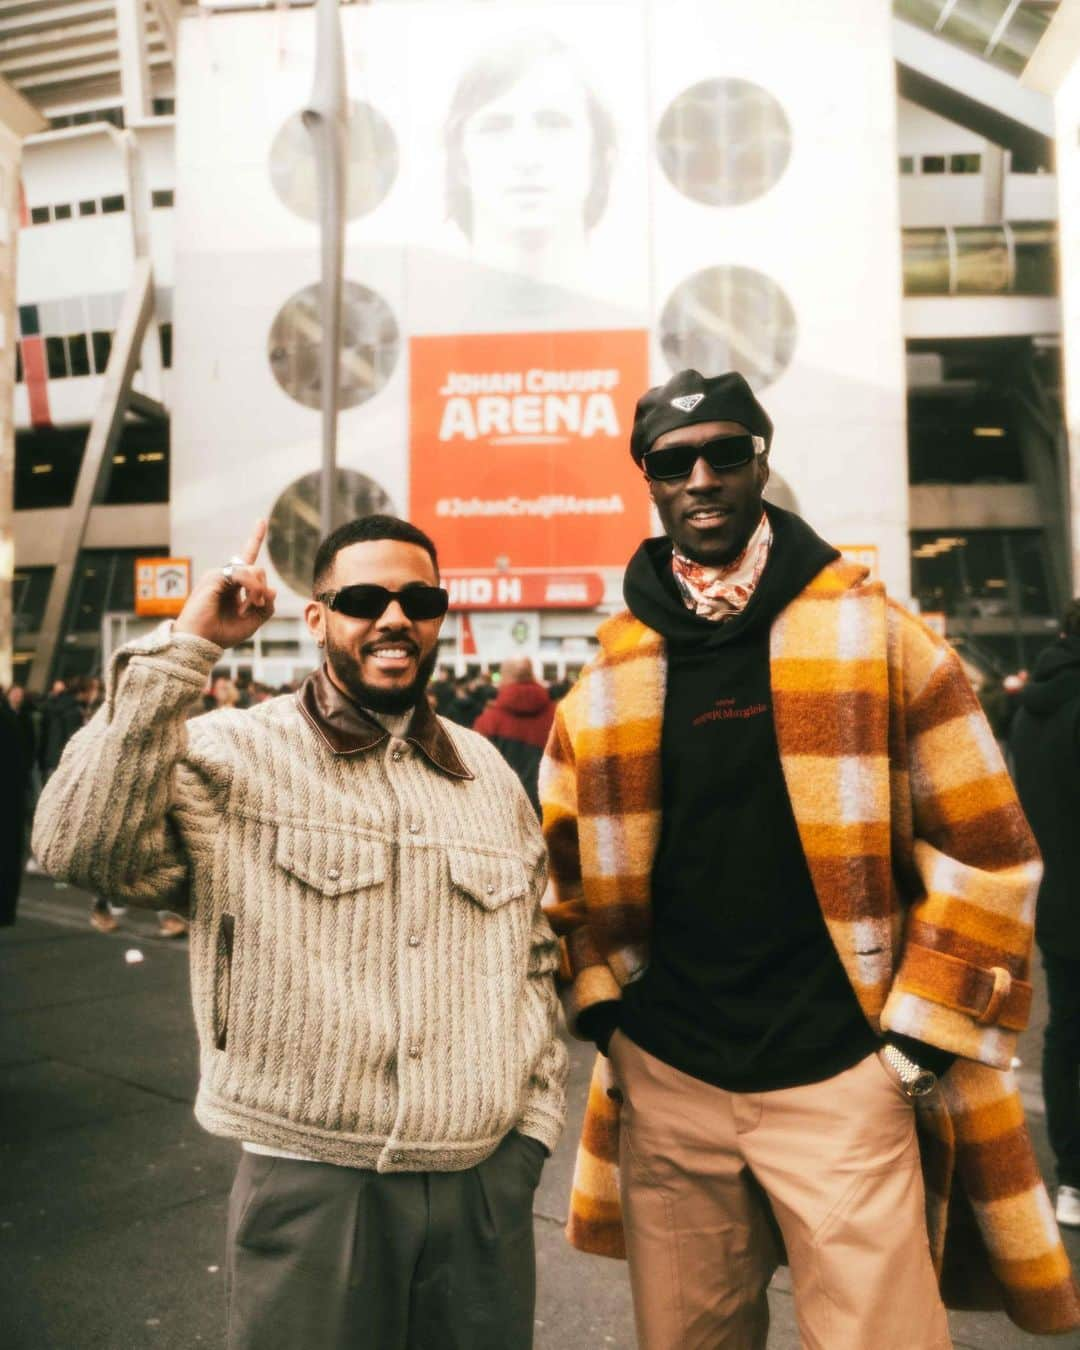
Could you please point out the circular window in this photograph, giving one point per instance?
(371, 163)
(724, 142)
(729, 318)
(370, 342)
(293, 535)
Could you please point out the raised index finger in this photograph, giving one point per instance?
(250, 550)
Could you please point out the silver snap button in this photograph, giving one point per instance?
(414, 827)
(490, 889)
(396, 755)
(414, 941)
(397, 1157)
(414, 1051)
(334, 874)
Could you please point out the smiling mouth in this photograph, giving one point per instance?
(708, 517)
(392, 655)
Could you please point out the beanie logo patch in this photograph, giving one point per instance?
(687, 403)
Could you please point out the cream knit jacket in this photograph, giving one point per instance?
(371, 971)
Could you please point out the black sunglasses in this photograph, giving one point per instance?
(677, 461)
(368, 601)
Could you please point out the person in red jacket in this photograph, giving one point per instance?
(518, 720)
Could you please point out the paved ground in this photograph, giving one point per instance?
(112, 1199)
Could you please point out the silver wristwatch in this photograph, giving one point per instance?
(914, 1080)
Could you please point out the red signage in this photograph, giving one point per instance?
(523, 590)
(520, 447)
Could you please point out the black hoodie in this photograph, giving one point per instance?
(1045, 744)
(744, 988)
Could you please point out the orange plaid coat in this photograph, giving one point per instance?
(926, 873)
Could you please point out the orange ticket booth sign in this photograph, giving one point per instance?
(520, 448)
(161, 585)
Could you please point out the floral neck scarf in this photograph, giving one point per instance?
(718, 593)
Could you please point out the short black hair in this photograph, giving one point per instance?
(361, 531)
(1070, 620)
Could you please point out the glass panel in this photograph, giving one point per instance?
(982, 261)
(1035, 248)
(56, 358)
(91, 590)
(165, 338)
(974, 24)
(925, 13)
(933, 163)
(992, 584)
(88, 208)
(370, 343)
(29, 596)
(112, 204)
(729, 318)
(79, 354)
(46, 467)
(926, 262)
(140, 467)
(102, 345)
(1029, 561)
(907, 163)
(724, 142)
(62, 211)
(962, 440)
(40, 215)
(293, 536)
(18, 363)
(965, 163)
(104, 581)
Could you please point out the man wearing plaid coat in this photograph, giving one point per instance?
(795, 896)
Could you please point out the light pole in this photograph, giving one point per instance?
(326, 118)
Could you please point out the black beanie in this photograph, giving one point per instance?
(689, 398)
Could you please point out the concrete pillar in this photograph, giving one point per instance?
(134, 62)
(17, 119)
(993, 174)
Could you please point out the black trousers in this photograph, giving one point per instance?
(1061, 1064)
(335, 1258)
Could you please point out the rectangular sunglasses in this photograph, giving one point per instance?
(368, 601)
(677, 461)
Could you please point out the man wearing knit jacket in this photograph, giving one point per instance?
(372, 974)
(794, 890)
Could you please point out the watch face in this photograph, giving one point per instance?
(922, 1085)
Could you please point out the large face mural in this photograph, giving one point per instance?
(548, 209)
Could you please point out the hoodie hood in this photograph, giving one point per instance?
(1056, 679)
(523, 698)
(796, 557)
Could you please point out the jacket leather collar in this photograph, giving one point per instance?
(348, 730)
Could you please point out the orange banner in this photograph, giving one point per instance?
(520, 447)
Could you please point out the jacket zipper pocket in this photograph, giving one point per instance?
(223, 955)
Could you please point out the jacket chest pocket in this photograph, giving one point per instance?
(331, 862)
(488, 890)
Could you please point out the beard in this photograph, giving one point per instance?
(378, 698)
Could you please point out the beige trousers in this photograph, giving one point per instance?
(704, 1173)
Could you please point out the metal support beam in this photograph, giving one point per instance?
(97, 457)
(147, 408)
(138, 198)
